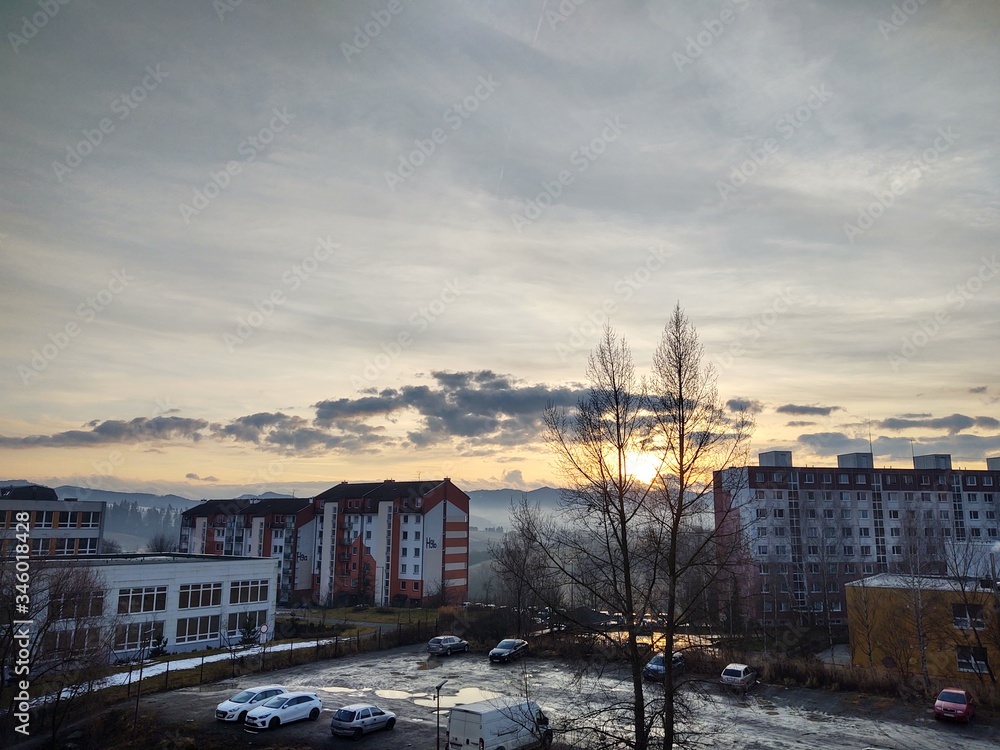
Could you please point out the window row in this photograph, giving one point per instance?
(143, 599)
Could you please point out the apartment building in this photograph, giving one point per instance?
(55, 527)
(287, 529)
(804, 532)
(394, 543)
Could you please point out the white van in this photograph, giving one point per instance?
(498, 724)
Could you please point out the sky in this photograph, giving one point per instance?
(281, 245)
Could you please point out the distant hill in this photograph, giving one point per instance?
(492, 507)
(142, 499)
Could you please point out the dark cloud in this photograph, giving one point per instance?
(800, 424)
(978, 389)
(954, 423)
(112, 431)
(476, 407)
(745, 404)
(914, 416)
(197, 478)
(808, 411)
(833, 443)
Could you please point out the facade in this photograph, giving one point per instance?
(957, 621)
(807, 531)
(394, 543)
(182, 602)
(283, 528)
(55, 527)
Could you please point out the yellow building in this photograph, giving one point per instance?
(950, 626)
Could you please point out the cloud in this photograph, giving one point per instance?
(479, 411)
(745, 404)
(197, 478)
(800, 424)
(953, 424)
(113, 431)
(811, 411)
(978, 389)
(833, 443)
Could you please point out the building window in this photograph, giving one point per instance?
(814, 568)
(243, 592)
(416, 551)
(848, 550)
(811, 513)
(200, 595)
(68, 520)
(810, 478)
(761, 512)
(762, 531)
(845, 497)
(862, 514)
(944, 515)
(405, 535)
(779, 495)
(845, 513)
(973, 515)
(44, 520)
(864, 531)
(850, 568)
(761, 549)
(971, 481)
(868, 568)
(192, 629)
(77, 607)
(249, 620)
(866, 550)
(835, 605)
(780, 549)
(967, 616)
(402, 568)
(142, 599)
(843, 478)
(764, 569)
(87, 546)
(897, 549)
(137, 635)
(973, 497)
(813, 549)
(779, 513)
(894, 531)
(416, 536)
(862, 479)
(404, 551)
(847, 531)
(416, 585)
(90, 520)
(764, 587)
(972, 659)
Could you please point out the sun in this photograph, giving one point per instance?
(643, 466)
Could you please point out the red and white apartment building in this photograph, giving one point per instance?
(285, 528)
(803, 532)
(394, 543)
(389, 542)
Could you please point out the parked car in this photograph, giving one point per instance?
(509, 649)
(284, 709)
(955, 703)
(656, 667)
(446, 644)
(359, 719)
(237, 707)
(739, 677)
(499, 723)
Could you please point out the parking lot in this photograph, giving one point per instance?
(402, 680)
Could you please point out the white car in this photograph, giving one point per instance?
(237, 707)
(284, 709)
(360, 718)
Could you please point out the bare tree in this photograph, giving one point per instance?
(633, 547)
(64, 649)
(159, 543)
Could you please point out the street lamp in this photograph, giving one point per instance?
(437, 698)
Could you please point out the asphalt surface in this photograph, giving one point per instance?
(402, 680)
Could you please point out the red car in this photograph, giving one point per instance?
(955, 703)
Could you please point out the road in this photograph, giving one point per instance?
(403, 679)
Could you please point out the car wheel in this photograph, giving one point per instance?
(242, 717)
(358, 733)
(447, 652)
(314, 714)
(274, 723)
(390, 724)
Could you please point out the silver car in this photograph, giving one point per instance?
(446, 644)
(360, 718)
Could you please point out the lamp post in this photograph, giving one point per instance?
(437, 698)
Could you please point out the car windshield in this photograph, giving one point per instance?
(437, 640)
(656, 661)
(344, 715)
(733, 673)
(950, 696)
(243, 697)
(507, 644)
(276, 702)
